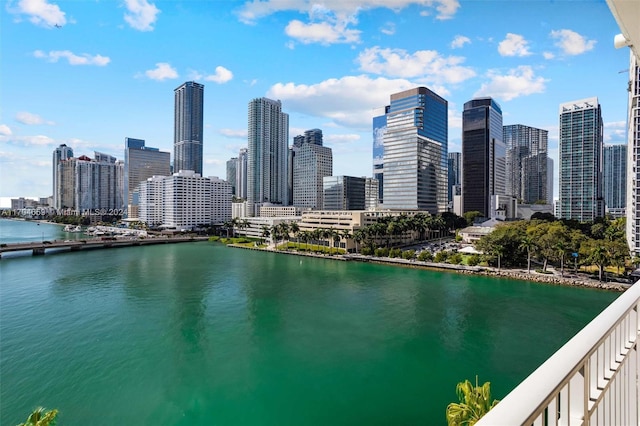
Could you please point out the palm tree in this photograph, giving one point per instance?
(474, 403)
(295, 230)
(266, 231)
(599, 256)
(527, 244)
(359, 235)
(561, 246)
(337, 236)
(243, 224)
(41, 418)
(346, 234)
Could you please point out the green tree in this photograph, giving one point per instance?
(266, 232)
(40, 417)
(528, 244)
(471, 216)
(475, 402)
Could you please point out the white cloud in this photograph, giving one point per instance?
(162, 71)
(330, 21)
(517, 82)
(571, 42)
(322, 32)
(615, 131)
(221, 76)
(548, 55)
(514, 45)
(141, 14)
(428, 64)
(31, 119)
(348, 101)
(234, 133)
(40, 12)
(37, 140)
(5, 130)
(459, 41)
(388, 29)
(336, 139)
(72, 58)
(253, 10)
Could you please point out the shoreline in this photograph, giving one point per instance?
(514, 274)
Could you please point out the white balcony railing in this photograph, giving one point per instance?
(594, 379)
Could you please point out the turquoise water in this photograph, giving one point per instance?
(200, 334)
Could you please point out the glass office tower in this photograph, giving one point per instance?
(415, 152)
(483, 155)
(581, 151)
(379, 129)
(188, 127)
(140, 163)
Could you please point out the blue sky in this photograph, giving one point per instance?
(109, 71)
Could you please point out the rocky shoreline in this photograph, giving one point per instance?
(514, 274)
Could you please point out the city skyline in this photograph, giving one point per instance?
(560, 52)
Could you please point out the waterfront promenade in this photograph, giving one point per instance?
(554, 278)
(40, 248)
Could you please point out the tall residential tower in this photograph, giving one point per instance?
(188, 119)
(61, 153)
(581, 160)
(268, 135)
(526, 168)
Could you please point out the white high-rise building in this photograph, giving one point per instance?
(633, 158)
(185, 200)
(221, 194)
(140, 163)
(310, 165)
(268, 135)
(550, 181)
(151, 205)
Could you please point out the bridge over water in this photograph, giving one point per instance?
(39, 248)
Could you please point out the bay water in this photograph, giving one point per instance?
(203, 334)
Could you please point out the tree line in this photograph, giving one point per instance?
(564, 243)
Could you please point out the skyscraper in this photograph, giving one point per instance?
(483, 155)
(61, 153)
(232, 173)
(344, 193)
(633, 157)
(581, 160)
(241, 174)
(379, 129)
(188, 120)
(311, 164)
(454, 185)
(140, 163)
(268, 134)
(526, 167)
(415, 152)
(85, 185)
(550, 171)
(614, 179)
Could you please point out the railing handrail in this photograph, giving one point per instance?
(540, 386)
